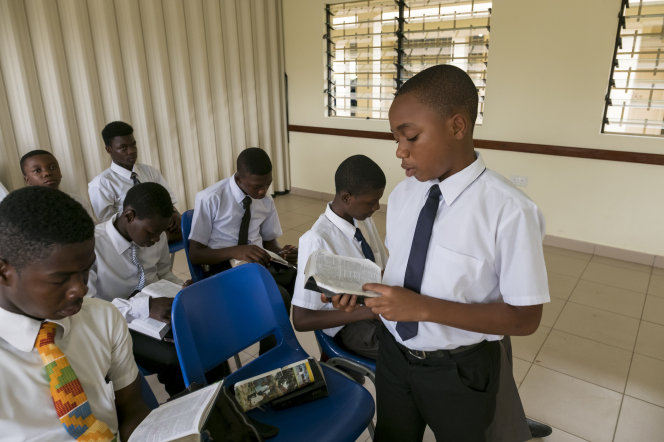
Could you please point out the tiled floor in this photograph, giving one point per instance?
(594, 370)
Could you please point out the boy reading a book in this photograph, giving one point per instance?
(66, 366)
(236, 219)
(108, 189)
(466, 267)
(346, 229)
(41, 168)
(132, 253)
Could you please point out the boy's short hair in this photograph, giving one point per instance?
(358, 175)
(115, 129)
(254, 161)
(33, 153)
(446, 89)
(149, 200)
(35, 219)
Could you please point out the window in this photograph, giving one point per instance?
(635, 96)
(374, 46)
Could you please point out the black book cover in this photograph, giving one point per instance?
(310, 284)
(308, 393)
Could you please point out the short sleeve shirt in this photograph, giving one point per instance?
(485, 246)
(97, 344)
(218, 216)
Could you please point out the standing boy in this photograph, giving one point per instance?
(346, 229)
(466, 267)
(41, 168)
(66, 366)
(132, 253)
(108, 189)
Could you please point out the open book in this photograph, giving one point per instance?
(276, 259)
(336, 275)
(275, 384)
(179, 421)
(148, 326)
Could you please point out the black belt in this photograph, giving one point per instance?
(437, 354)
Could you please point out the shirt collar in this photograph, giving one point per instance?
(453, 186)
(340, 223)
(121, 245)
(21, 331)
(238, 194)
(124, 173)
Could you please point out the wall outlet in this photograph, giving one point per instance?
(519, 180)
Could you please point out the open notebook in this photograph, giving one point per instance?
(148, 326)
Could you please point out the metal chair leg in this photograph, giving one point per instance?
(372, 429)
(238, 364)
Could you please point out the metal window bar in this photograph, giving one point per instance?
(409, 36)
(634, 101)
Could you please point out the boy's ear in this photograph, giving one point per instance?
(129, 215)
(460, 126)
(345, 198)
(26, 179)
(108, 149)
(7, 273)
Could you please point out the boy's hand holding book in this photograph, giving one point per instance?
(289, 253)
(252, 253)
(160, 309)
(396, 303)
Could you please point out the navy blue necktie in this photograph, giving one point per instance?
(418, 255)
(366, 249)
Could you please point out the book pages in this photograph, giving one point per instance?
(341, 274)
(162, 289)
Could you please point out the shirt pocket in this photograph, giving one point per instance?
(453, 274)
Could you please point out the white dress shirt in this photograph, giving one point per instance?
(218, 215)
(99, 349)
(113, 276)
(336, 235)
(486, 246)
(3, 192)
(108, 189)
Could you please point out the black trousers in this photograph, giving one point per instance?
(160, 357)
(285, 279)
(454, 395)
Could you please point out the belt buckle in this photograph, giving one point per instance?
(417, 353)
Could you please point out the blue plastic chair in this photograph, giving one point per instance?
(224, 314)
(195, 270)
(147, 393)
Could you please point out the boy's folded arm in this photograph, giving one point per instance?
(400, 304)
(305, 319)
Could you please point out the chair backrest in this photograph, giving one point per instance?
(195, 270)
(332, 350)
(218, 317)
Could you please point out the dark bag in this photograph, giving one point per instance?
(228, 422)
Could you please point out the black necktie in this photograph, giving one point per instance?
(243, 239)
(418, 255)
(366, 249)
(134, 178)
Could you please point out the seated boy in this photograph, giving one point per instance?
(108, 189)
(346, 229)
(236, 219)
(41, 168)
(51, 334)
(132, 253)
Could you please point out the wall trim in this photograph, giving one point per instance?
(541, 149)
(549, 240)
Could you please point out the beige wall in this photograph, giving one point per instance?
(547, 75)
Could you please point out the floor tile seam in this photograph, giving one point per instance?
(584, 380)
(568, 256)
(643, 400)
(648, 291)
(609, 311)
(621, 267)
(595, 340)
(611, 285)
(648, 356)
(622, 400)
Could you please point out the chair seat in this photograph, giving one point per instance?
(343, 415)
(332, 350)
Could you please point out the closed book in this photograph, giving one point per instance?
(308, 393)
